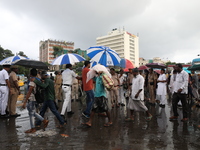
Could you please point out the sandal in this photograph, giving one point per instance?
(87, 124)
(148, 118)
(108, 124)
(61, 125)
(129, 119)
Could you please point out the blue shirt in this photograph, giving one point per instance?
(99, 87)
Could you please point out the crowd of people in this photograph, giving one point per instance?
(131, 89)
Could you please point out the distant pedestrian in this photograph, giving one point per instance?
(58, 86)
(51, 77)
(114, 92)
(121, 77)
(152, 86)
(161, 93)
(30, 101)
(4, 90)
(180, 91)
(13, 79)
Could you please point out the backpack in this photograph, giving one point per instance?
(39, 93)
(107, 81)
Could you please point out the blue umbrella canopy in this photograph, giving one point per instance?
(69, 58)
(103, 55)
(9, 60)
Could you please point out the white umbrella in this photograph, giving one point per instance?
(69, 58)
(97, 68)
(9, 60)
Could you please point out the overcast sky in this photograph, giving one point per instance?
(167, 28)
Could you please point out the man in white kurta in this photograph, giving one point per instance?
(161, 89)
(136, 103)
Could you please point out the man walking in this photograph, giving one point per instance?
(4, 89)
(48, 85)
(67, 79)
(136, 103)
(15, 92)
(88, 88)
(180, 91)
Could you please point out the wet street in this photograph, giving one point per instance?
(158, 134)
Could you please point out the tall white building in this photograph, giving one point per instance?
(123, 42)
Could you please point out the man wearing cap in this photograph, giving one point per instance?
(67, 78)
(136, 103)
(58, 86)
(15, 92)
(48, 85)
(4, 89)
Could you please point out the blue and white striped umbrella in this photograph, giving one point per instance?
(70, 58)
(103, 55)
(9, 60)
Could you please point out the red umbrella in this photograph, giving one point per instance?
(158, 71)
(142, 68)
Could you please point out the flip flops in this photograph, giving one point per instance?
(108, 124)
(129, 119)
(87, 124)
(148, 118)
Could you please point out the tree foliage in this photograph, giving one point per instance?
(58, 50)
(4, 53)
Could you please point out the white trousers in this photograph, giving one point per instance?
(4, 92)
(66, 90)
(121, 95)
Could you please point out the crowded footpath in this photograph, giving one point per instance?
(105, 89)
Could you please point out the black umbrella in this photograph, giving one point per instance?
(156, 65)
(31, 64)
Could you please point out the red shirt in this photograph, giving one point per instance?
(89, 85)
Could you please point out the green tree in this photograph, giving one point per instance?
(22, 54)
(58, 50)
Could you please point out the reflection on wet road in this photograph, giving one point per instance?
(159, 133)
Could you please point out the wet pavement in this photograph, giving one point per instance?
(158, 134)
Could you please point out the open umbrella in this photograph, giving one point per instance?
(125, 63)
(142, 68)
(31, 64)
(194, 67)
(103, 55)
(91, 74)
(156, 65)
(69, 58)
(9, 60)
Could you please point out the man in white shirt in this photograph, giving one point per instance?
(180, 91)
(67, 80)
(136, 103)
(4, 89)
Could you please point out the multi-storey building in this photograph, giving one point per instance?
(123, 42)
(46, 52)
